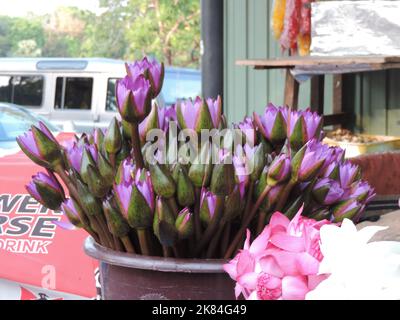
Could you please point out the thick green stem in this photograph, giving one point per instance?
(74, 193)
(128, 244)
(173, 206)
(144, 244)
(215, 240)
(261, 221)
(197, 222)
(212, 227)
(137, 151)
(243, 228)
(284, 195)
(117, 244)
(248, 201)
(225, 238)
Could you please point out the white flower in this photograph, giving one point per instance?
(358, 269)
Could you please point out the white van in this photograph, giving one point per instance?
(78, 94)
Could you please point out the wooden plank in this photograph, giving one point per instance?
(291, 98)
(339, 118)
(284, 62)
(317, 94)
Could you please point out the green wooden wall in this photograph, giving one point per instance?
(247, 35)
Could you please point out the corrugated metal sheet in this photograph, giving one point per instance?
(247, 35)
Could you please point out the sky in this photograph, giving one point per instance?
(19, 8)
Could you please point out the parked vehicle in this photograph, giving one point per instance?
(79, 94)
(39, 259)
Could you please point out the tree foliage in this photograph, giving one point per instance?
(126, 29)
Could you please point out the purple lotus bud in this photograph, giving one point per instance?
(184, 224)
(196, 114)
(362, 191)
(279, 170)
(348, 173)
(46, 190)
(153, 70)
(150, 122)
(215, 109)
(313, 124)
(327, 191)
(303, 126)
(145, 186)
(249, 131)
(346, 209)
(73, 212)
(125, 171)
(40, 146)
(133, 98)
(272, 124)
(207, 206)
(74, 154)
(307, 162)
(136, 200)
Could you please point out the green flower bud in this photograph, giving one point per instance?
(96, 183)
(116, 223)
(113, 138)
(185, 189)
(164, 224)
(184, 224)
(90, 204)
(106, 170)
(163, 182)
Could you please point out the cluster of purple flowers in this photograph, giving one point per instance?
(195, 209)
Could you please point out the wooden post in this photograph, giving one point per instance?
(317, 93)
(291, 90)
(337, 103)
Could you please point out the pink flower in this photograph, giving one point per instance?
(282, 262)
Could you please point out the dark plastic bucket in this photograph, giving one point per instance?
(125, 276)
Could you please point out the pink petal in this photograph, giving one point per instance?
(248, 280)
(230, 268)
(270, 266)
(315, 280)
(247, 242)
(245, 263)
(296, 263)
(294, 288)
(287, 242)
(261, 242)
(238, 290)
(279, 219)
(253, 296)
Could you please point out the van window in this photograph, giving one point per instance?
(22, 90)
(73, 93)
(111, 102)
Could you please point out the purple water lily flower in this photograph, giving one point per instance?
(133, 98)
(272, 124)
(74, 153)
(327, 191)
(313, 124)
(248, 128)
(207, 205)
(71, 210)
(313, 160)
(153, 69)
(184, 223)
(346, 209)
(123, 191)
(145, 186)
(215, 108)
(348, 173)
(362, 191)
(190, 111)
(46, 189)
(29, 143)
(125, 171)
(279, 169)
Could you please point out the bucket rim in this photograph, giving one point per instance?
(137, 261)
